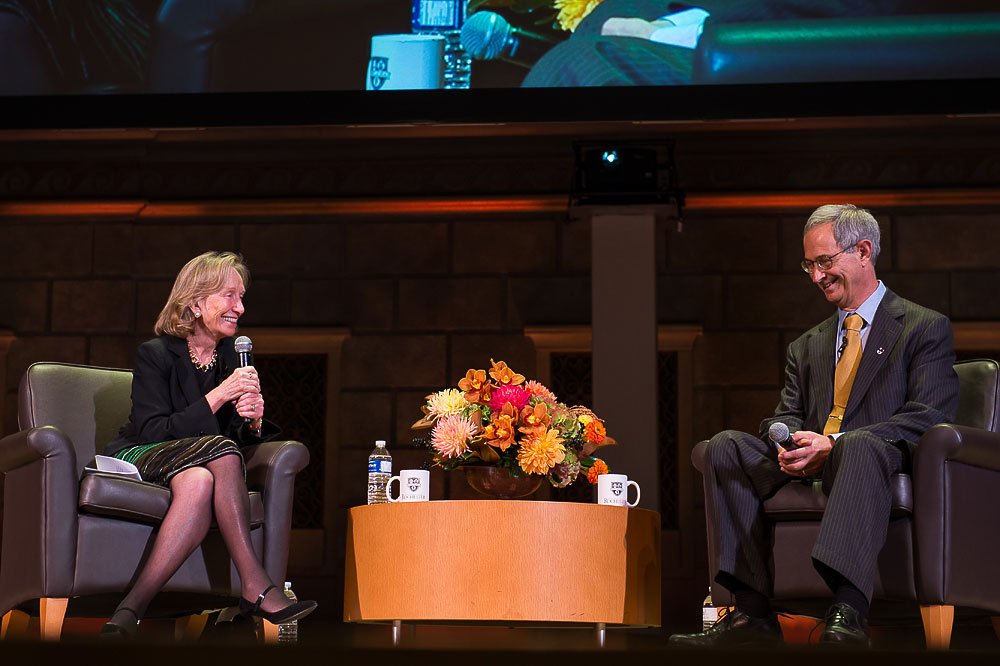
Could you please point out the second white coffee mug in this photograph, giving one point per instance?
(612, 489)
(406, 62)
(414, 486)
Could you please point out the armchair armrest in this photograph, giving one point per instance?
(955, 472)
(41, 488)
(271, 468)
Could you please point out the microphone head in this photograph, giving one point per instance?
(485, 34)
(243, 345)
(778, 433)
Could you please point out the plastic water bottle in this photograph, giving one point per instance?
(379, 471)
(288, 632)
(709, 612)
(445, 18)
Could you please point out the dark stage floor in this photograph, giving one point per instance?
(323, 641)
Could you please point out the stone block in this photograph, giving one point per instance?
(113, 249)
(690, 299)
(23, 306)
(92, 306)
(709, 413)
(451, 303)
(288, 250)
(45, 250)
(27, 350)
(150, 297)
(791, 237)
(576, 249)
(352, 477)
(365, 416)
(974, 296)
(361, 304)
(267, 303)
(548, 300)
(394, 361)
(381, 248)
(475, 351)
(774, 301)
(738, 358)
(115, 351)
(931, 290)
(746, 408)
(407, 406)
(947, 242)
(162, 249)
(723, 244)
(505, 246)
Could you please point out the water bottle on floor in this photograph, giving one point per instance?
(288, 632)
(709, 613)
(379, 471)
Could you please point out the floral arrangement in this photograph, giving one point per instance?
(499, 419)
(570, 12)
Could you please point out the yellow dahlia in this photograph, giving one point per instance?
(445, 403)
(541, 453)
(452, 434)
(571, 12)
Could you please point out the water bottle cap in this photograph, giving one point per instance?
(288, 585)
(379, 442)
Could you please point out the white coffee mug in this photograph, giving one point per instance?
(414, 486)
(406, 62)
(612, 489)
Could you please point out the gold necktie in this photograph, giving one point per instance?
(847, 367)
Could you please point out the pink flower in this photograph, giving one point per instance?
(515, 395)
(452, 434)
(540, 390)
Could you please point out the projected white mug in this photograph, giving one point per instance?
(612, 489)
(406, 62)
(414, 486)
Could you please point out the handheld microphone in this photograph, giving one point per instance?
(781, 436)
(243, 348)
(488, 36)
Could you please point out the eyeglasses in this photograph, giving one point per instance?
(824, 261)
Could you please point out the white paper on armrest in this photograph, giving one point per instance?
(116, 466)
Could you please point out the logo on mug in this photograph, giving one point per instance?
(378, 71)
(414, 483)
(617, 487)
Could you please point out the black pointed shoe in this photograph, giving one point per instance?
(121, 625)
(296, 611)
(845, 627)
(735, 629)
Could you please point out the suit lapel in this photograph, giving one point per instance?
(184, 370)
(821, 361)
(886, 329)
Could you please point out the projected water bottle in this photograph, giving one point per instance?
(445, 17)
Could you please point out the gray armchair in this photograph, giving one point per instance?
(73, 542)
(943, 521)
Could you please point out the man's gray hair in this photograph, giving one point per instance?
(851, 225)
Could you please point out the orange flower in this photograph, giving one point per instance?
(541, 453)
(535, 419)
(595, 432)
(477, 388)
(598, 468)
(501, 430)
(505, 375)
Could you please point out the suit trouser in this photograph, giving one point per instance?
(743, 471)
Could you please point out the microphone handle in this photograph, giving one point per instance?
(244, 362)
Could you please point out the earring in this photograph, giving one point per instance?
(197, 314)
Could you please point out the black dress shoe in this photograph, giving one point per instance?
(124, 623)
(845, 627)
(295, 611)
(735, 629)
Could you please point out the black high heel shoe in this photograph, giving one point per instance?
(120, 629)
(296, 611)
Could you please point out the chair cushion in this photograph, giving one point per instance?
(805, 500)
(112, 495)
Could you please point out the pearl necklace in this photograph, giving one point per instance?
(204, 367)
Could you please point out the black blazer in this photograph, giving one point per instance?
(905, 384)
(167, 402)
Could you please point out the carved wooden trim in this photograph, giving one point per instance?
(976, 335)
(306, 545)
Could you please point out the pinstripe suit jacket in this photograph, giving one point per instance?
(904, 385)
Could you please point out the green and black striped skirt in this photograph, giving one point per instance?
(158, 463)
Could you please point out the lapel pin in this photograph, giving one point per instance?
(880, 350)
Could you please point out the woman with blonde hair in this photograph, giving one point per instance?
(193, 408)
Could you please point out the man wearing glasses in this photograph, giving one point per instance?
(858, 387)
